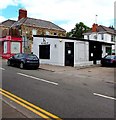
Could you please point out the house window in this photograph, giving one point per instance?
(88, 37)
(95, 37)
(34, 32)
(55, 34)
(47, 33)
(112, 38)
(108, 50)
(102, 36)
(5, 47)
(44, 51)
(15, 47)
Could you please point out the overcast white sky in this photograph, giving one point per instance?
(65, 13)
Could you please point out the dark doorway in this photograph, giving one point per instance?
(69, 54)
(95, 51)
(109, 50)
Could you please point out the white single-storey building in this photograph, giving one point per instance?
(64, 51)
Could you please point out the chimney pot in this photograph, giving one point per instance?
(94, 27)
(22, 13)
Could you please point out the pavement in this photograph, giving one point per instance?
(55, 68)
(9, 111)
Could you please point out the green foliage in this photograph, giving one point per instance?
(78, 30)
(111, 27)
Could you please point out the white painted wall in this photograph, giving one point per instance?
(103, 50)
(82, 54)
(107, 37)
(57, 51)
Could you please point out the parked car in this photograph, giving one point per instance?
(109, 60)
(24, 60)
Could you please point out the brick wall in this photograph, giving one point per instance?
(27, 31)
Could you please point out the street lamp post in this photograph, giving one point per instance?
(24, 37)
(96, 25)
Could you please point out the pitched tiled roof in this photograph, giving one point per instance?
(107, 29)
(7, 23)
(102, 28)
(37, 23)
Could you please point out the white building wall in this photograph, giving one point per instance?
(36, 42)
(57, 51)
(103, 50)
(85, 37)
(107, 37)
(82, 54)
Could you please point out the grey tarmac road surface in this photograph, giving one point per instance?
(73, 96)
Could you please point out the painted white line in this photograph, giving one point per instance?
(104, 96)
(112, 82)
(38, 79)
(2, 68)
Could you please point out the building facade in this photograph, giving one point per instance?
(31, 26)
(103, 34)
(64, 51)
(26, 27)
(5, 27)
(10, 46)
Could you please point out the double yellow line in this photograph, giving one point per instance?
(35, 109)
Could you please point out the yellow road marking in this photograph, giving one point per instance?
(31, 105)
(29, 108)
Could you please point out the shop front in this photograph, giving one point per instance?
(9, 46)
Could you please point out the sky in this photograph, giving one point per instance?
(64, 13)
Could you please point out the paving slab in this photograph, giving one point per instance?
(10, 112)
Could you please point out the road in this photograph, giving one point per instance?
(63, 94)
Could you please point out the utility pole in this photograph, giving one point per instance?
(96, 25)
(94, 52)
(96, 18)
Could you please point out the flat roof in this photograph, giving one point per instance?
(71, 38)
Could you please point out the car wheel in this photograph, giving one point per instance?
(8, 63)
(36, 68)
(21, 65)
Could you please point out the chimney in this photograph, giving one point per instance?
(22, 13)
(94, 27)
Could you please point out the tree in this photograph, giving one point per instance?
(78, 30)
(111, 27)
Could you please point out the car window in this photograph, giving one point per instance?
(21, 55)
(16, 56)
(109, 57)
(32, 56)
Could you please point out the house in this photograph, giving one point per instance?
(25, 27)
(9, 45)
(4, 30)
(32, 26)
(65, 51)
(103, 34)
(5, 26)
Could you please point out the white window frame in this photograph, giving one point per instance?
(47, 33)
(34, 32)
